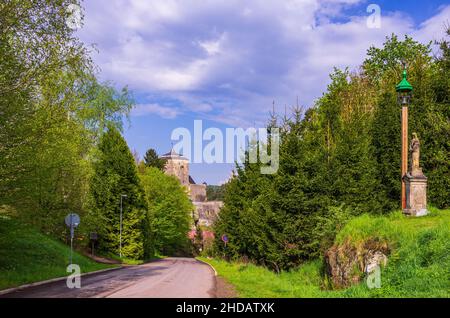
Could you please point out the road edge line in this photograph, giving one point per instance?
(52, 280)
(216, 276)
(204, 262)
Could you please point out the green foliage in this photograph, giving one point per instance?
(39, 257)
(253, 281)
(386, 149)
(101, 105)
(329, 225)
(40, 60)
(392, 55)
(52, 112)
(418, 265)
(169, 212)
(115, 174)
(428, 115)
(340, 159)
(151, 159)
(215, 192)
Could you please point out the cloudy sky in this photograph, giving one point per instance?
(226, 61)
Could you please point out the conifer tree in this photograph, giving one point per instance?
(151, 159)
(115, 174)
(341, 159)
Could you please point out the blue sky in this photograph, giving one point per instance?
(226, 61)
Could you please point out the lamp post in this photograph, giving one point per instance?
(120, 230)
(404, 90)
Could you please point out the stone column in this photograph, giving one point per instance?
(416, 183)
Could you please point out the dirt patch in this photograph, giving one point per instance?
(224, 289)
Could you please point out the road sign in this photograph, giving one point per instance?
(72, 220)
(225, 238)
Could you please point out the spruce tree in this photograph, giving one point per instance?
(151, 159)
(115, 174)
(386, 149)
(341, 159)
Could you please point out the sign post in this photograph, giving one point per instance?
(94, 237)
(72, 220)
(225, 239)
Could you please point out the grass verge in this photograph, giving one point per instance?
(418, 265)
(130, 261)
(27, 256)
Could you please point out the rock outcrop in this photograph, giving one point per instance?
(348, 263)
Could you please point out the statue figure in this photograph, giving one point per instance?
(414, 148)
(415, 182)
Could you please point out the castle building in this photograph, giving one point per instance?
(178, 166)
(205, 212)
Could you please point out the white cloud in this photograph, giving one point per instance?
(228, 60)
(165, 112)
(434, 28)
(212, 47)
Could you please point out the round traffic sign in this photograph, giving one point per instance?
(72, 220)
(225, 238)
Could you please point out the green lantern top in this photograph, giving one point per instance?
(404, 85)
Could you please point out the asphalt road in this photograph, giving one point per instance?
(166, 278)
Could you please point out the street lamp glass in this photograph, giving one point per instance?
(404, 98)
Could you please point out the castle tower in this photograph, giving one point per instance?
(205, 212)
(178, 166)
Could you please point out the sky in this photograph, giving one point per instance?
(228, 62)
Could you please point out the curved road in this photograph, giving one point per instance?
(166, 278)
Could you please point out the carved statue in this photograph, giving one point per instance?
(415, 182)
(414, 148)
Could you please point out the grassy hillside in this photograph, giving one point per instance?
(418, 265)
(28, 256)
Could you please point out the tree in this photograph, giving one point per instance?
(52, 113)
(341, 159)
(115, 174)
(438, 158)
(37, 47)
(151, 159)
(215, 192)
(428, 114)
(169, 212)
(386, 149)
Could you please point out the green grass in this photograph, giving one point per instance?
(28, 256)
(123, 260)
(418, 265)
(130, 261)
(253, 281)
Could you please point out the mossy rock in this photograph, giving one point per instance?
(347, 263)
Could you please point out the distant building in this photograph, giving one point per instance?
(206, 212)
(178, 166)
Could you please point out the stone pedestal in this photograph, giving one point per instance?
(416, 193)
